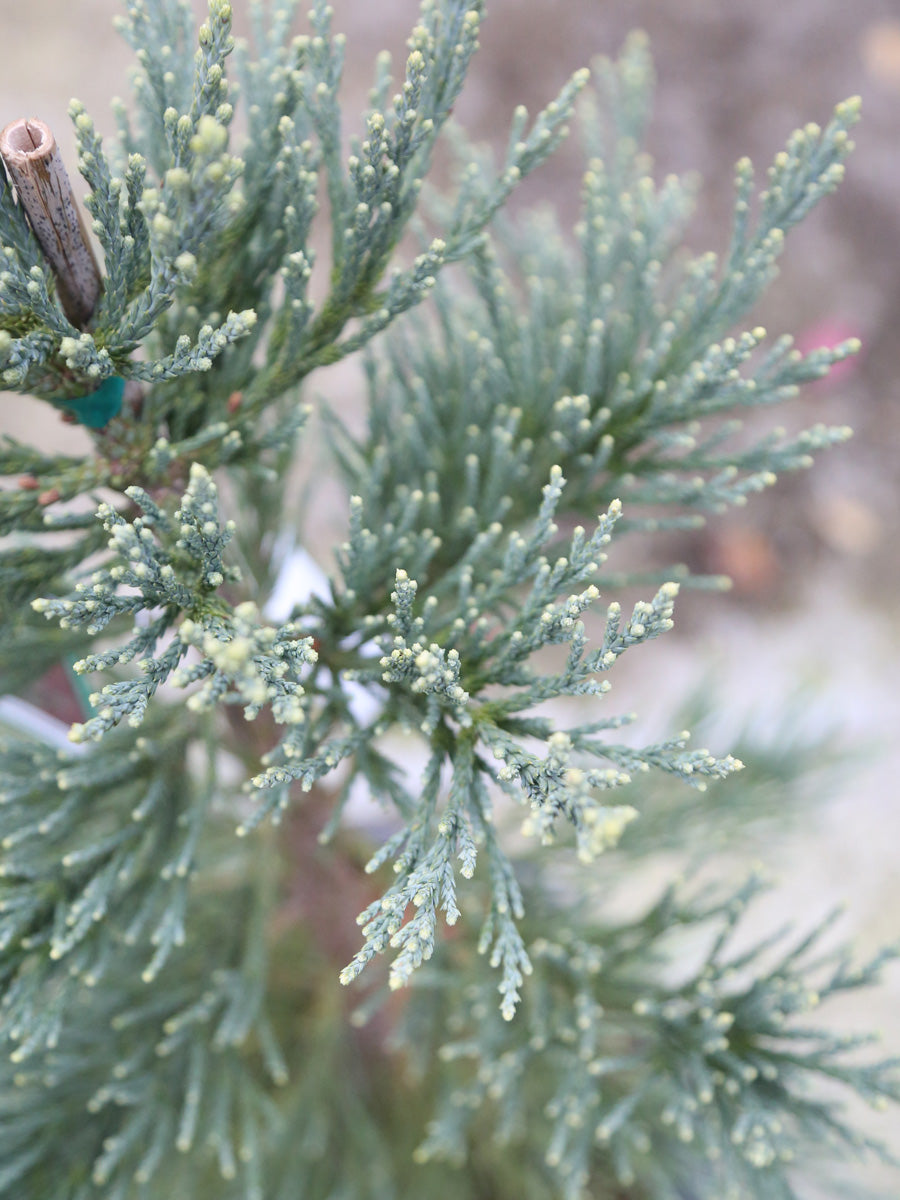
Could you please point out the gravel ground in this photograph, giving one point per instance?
(815, 561)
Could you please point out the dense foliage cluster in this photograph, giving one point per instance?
(400, 747)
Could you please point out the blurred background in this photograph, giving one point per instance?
(809, 633)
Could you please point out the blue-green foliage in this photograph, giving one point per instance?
(608, 356)
(240, 659)
(698, 1083)
(177, 892)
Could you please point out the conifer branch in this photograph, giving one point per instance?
(177, 893)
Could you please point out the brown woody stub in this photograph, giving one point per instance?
(35, 167)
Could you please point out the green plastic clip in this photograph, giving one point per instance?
(98, 408)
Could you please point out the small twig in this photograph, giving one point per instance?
(32, 158)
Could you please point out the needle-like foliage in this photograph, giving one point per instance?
(282, 778)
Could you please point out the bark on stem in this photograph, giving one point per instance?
(32, 158)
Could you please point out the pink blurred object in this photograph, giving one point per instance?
(828, 334)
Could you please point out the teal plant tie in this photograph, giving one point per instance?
(98, 408)
(79, 687)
